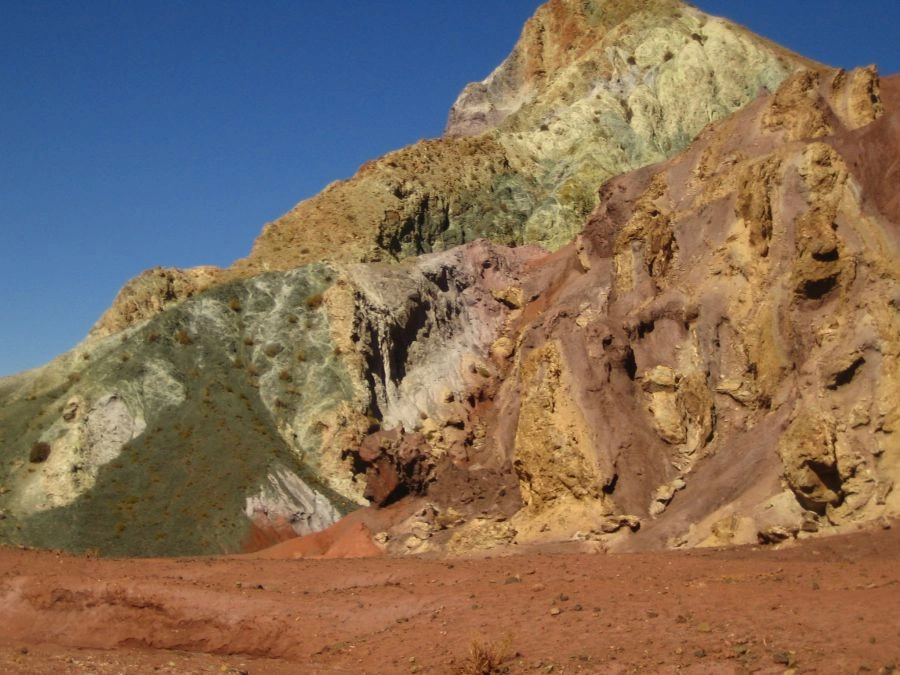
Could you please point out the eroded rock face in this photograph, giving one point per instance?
(713, 359)
(238, 416)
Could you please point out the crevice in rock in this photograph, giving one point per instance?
(610, 486)
(403, 336)
(826, 256)
(629, 363)
(846, 375)
(830, 478)
(815, 289)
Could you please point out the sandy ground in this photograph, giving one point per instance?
(826, 606)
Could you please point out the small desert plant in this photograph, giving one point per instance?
(234, 305)
(285, 376)
(152, 336)
(40, 451)
(182, 337)
(486, 658)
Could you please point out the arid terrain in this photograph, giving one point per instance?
(825, 605)
(581, 386)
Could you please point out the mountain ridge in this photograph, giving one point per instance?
(693, 320)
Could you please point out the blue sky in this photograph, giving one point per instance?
(135, 134)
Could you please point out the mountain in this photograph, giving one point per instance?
(642, 292)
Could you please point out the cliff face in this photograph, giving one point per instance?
(713, 359)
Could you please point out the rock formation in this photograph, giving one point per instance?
(535, 328)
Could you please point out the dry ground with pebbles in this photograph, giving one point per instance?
(825, 606)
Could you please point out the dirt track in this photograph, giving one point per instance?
(828, 606)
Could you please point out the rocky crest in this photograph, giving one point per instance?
(713, 359)
(591, 90)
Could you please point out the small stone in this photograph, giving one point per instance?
(704, 627)
(700, 653)
(555, 611)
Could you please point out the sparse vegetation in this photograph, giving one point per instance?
(486, 658)
(183, 338)
(234, 305)
(40, 451)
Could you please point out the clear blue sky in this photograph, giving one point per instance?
(135, 134)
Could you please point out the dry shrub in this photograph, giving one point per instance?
(486, 658)
(182, 338)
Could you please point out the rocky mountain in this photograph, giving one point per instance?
(643, 292)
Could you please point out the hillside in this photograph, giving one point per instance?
(643, 293)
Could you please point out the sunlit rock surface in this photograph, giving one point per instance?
(702, 350)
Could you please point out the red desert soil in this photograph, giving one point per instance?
(824, 606)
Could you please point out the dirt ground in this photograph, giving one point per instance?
(826, 606)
